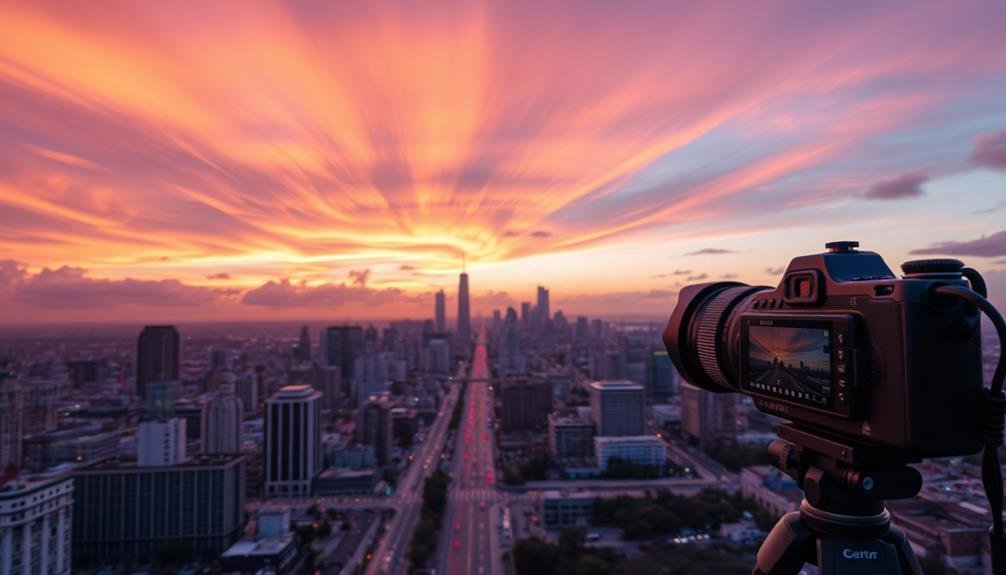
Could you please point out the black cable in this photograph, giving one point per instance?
(993, 409)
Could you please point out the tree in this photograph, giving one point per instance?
(174, 553)
(592, 565)
(571, 540)
(536, 557)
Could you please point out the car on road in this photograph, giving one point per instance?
(457, 543)
(457, 526)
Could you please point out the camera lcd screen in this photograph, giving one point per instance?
(792, 363)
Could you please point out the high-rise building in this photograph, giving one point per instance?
(645, 450)
(618, 408)
(661, 378)
(343, 344)
(581, 333)
(440, 312)
(158, 358)
(542, 311)
(293, 450)
(35, 525)
(11, 434)
(125, 513)
(464, 311)
(303, 348)
(331, 386)
(438, 357)
(525, 316)
(526, 404)
(570, 437)
(223, 419)
(708, 417)
(511, 361)
(247, 389)
(160, 440)
(43, 387)
(376, 428)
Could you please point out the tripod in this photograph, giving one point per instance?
(842, 526)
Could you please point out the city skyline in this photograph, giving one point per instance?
(160, 166)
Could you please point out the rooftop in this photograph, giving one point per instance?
(299, 391)
(129, 462)
(263, 546)
(615, 384)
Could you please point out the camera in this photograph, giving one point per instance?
(843, 348)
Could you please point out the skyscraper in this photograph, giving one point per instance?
(526, 404)
(542, 312)
(440, 313)
(223, 418)
(375, 428)
(464, 311)
(661, 377)
(343, 344)
(160, 440)
(617, 408)
(525, 316)
(157, 356)
(303, 349)
(10, 421)
(293, 450)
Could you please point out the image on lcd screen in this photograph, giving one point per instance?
(790, 362)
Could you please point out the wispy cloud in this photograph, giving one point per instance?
(985, 246)
(898, 188)
(710, 252)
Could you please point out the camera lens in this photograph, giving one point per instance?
(701, 336)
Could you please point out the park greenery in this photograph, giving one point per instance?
(663, 513)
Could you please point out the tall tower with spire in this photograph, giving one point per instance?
(464, 307)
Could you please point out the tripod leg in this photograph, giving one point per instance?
(906, 555)
(786, 548)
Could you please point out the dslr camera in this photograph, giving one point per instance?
(844, 349)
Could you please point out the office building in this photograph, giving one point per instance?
(331, 386)
(246, 387)
(293, 450)
(526, 404)
(273, 549)
(542, 312)
(464, 312)
(343, 345)
(708, 417)
(223, 419)
(302, 351)
(161, 437)
(36, 515)
(661, 377)
(127, 513)
(158, 356)
(570, 437)
(617, 408)
(375, 428)
(11, 432)
(525, 316)
(645, 450)
(44, 386)
(440, 312)
(438, 357)
(561, 509)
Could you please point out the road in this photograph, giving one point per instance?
(407, 501)
(793, 380)
(465, 543)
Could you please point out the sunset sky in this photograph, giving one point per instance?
(190, 161)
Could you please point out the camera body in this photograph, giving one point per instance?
(843, 348)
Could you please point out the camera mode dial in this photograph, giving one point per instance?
(934, 268)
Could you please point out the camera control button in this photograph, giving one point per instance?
(841, 383)
(840, 354)
(841, 368)
(840, 396)
(841, 339)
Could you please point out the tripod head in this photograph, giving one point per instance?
(842, 525)
(838, 476)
